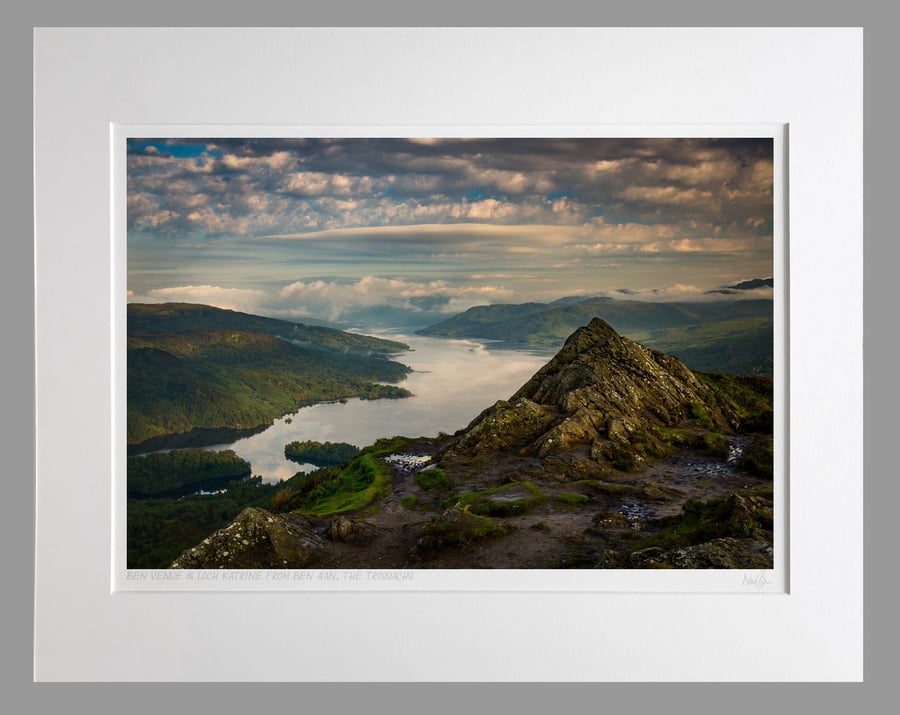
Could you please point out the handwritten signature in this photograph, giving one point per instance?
(757, 580)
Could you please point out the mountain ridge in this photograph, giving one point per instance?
(735, 336)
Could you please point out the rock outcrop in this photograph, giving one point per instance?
(258, 539)
(596, 392)
(352, 531)
(726, 553)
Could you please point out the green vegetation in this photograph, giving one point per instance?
(383, 392)
(433, 478)
(569, 500)
(159, 529)
(456, 528)
(701, 415)
(759, 457)
(743, 346)
(509, 500)
(621, 456)
(350, 487)
(721, 336)
(410, 502)
(387, 445)
(180, 472)
(715, 443)
(281, 499)
(734, 516)
(342, 489)
(747, 400)
(674, 436)
(322, 454)
(151, 319)
(762, 492)
(196, 367)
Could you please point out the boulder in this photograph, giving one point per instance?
(725, 553)
(352, 531)
(257, 539)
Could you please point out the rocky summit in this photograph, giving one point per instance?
(594, 393)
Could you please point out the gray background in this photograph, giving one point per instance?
(16, 266)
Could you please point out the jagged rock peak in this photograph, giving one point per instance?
(595, 356)
(598, 389)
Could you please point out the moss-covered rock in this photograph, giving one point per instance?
(601, 392)
(506, 424)
(258, 539)
(725, 553)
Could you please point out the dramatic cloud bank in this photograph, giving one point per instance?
(316, 226)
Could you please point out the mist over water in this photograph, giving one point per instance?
(452, 382)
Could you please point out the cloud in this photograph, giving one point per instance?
(334, 300)
(244, 300)
(249, 187)
(354, 223)
(676, 246)
(666, 293)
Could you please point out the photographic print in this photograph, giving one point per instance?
(450, 353)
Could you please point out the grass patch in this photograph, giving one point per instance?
(347, 488)
(570, 500)
(503, 501)
(748, 400)
(701, 415)
(762, 492)
(699, 522)
(387, 445)
(410, 502)
(457, 528)
(674, 436)
(714, 443)
(434, 478)
(759, 458)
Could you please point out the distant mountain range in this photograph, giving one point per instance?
(726, 336)
(195, 368)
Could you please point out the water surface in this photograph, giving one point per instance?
(452, 382)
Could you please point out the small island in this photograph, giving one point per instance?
(321, 454)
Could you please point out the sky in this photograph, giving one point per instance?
(411, 231)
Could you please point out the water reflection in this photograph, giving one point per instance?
(452, 382)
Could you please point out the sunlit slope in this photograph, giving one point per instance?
(195, 367)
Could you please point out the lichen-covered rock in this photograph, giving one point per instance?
(506, 424)
(352, 531)
(725, 553)
(620, 429)
(597, 391)
(257, 539)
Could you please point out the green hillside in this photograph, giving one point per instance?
(197, 367)
(159, 318)
(734, 336)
